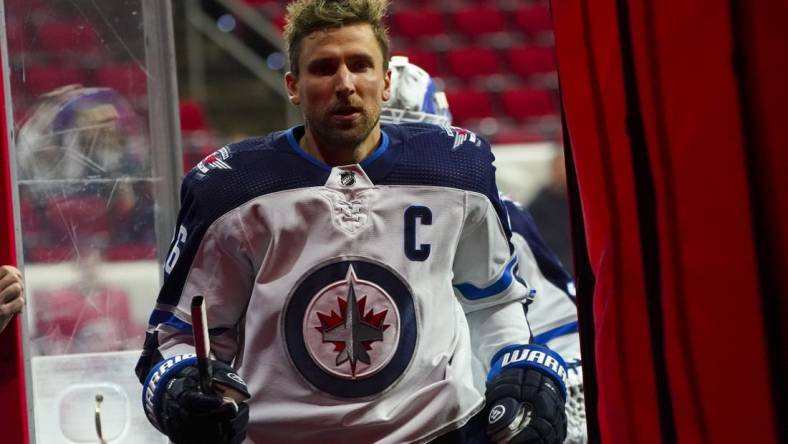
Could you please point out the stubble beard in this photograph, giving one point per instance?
(330, 136)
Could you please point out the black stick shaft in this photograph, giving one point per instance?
(201, 343)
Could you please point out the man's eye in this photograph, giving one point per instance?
(322, 69)
(360, 65)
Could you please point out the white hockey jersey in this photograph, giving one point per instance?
(352, 300)
(552, 314)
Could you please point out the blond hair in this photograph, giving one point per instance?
(307, 16)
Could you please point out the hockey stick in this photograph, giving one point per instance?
(201, 343)
(519, 416)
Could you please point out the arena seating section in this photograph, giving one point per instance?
(493, 58)
(49, 49)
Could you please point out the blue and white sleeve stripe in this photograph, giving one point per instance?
(474, 293)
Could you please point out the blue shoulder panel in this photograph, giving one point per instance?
(431, 155)
(224, 180)
(523, 224)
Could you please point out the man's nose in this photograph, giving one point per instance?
(344, 82)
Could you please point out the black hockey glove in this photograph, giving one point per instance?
(526, 391)
(177, 407)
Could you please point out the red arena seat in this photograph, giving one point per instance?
(526, 103)
(418, 23)
(41, 79)
(23, 6)
(130, 252)
(526, 61)
(192, 116)
(279, 20)
(15, 35)
(428, 60)
(473, 61)
(32, 226)
(76, 35)
(479, 20)
(28, 216)
(469, 104)
(51, 254)
(128, 79)
(533, 19)
(77, 216)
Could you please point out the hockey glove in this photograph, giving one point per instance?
(526, 391)
(176, 406)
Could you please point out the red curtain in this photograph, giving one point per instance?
(671, 110)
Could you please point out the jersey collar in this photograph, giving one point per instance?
(296, 132)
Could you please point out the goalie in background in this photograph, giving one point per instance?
(80, 133)
(552, 314)
(85, 174)
(85, 191)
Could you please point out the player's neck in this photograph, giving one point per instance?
(340, 155)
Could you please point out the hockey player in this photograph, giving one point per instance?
(76, 132)
(552, 313)
(352, 274)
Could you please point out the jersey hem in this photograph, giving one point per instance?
(456, 424)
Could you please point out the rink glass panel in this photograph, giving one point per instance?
(90, 193)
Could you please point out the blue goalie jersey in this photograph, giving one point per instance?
(352, 299)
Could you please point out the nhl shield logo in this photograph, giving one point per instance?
(350, 328)
(347, 178)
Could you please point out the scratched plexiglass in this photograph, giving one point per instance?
(79, 95)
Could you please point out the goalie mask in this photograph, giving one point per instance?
(75, 132)
(414, 96)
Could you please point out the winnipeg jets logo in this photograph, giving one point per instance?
(353, 342)
(353, 331)
(350, 327)
(215, 161)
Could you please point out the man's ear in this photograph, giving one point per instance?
(387, 85)
(292, 88)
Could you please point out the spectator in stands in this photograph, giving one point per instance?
(550, 209)
(88, 316)
(131, 215)
(12, 289)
